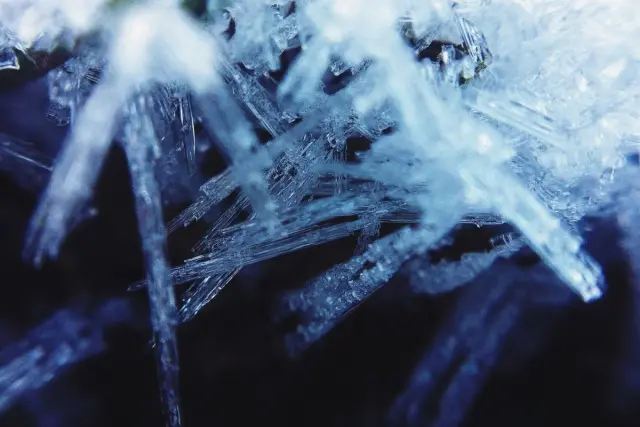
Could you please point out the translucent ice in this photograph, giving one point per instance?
(140, 145)
(326, 299)
(474, 111)
(462, 356)
(67, 338)
(22, 161)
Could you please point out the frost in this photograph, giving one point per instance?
(480, 112)
(328, 298)
(67, 338)
(140, 145)
(447, 276)
(24, 163)
(41, 21)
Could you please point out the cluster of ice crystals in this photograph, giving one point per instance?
(30, 22)
(263, 32)
(477, 111)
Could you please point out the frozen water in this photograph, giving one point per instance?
(140, 144)
(476, 111)
(67, 338)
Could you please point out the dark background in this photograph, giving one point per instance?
(568, 364)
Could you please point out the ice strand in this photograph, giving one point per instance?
(29, 167)
(75, 172)
(326, 299)
(141, 145)
(65, 339)
(466, 345)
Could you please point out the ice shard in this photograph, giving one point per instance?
(141, 146)
(326, 299)
(68, 337)
(75, 173)
(473, 111)
(462, 356)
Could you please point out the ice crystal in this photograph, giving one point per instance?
(27, 165)
(477, 112)
(67, 338)
(461, 358)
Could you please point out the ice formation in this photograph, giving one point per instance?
(68, 337)
(477, 111)
(20, 159)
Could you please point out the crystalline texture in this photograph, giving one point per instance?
(476, 111)
(65, 339)
(75, 173)
(8, 59)
(30, 19)
(24, 163)
(446, 276)
(140, 145)
(203, 292)
(328, 298)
